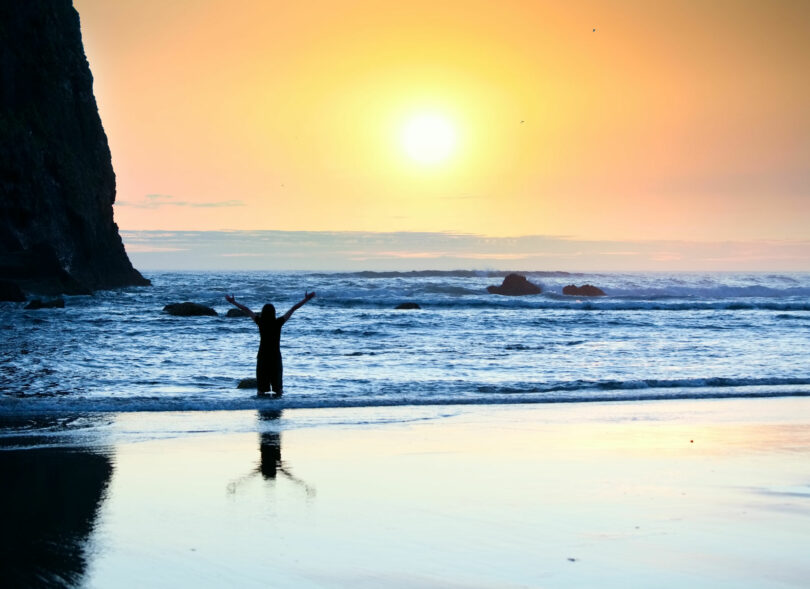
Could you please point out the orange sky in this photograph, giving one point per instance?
(674, 120)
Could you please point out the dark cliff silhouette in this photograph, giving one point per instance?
(57, 184)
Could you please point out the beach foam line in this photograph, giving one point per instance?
(637, 384)
(552, 301)
(78, 404)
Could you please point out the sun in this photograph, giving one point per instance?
(428, 138)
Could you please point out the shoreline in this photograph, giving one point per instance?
(97, 428)
(707, 493)
(12, 407)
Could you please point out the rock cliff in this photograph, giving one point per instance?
(57, 184)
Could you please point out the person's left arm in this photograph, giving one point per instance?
(307, 297)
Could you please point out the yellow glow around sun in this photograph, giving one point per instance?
(428, 138)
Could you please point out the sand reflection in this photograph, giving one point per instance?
(271, 464)
(49, 504)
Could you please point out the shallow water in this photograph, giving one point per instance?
(654, 336)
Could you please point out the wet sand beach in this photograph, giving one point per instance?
(710, 493)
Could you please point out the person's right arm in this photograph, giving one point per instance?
(232, 301)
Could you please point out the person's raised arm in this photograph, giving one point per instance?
(232, 301)
(307, 297)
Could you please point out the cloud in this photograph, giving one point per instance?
(156, 201)
(142, 248)
(450, 255)
(407, 254)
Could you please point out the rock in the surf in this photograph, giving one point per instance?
(586, 290)
(247, 383)
(11, 292)
(515, 285)
(236, 313)
(188, 309)
(407, 306)
(51, 304)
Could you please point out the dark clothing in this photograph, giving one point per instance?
(269, 374)
(269, 369)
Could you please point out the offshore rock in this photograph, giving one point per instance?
(52, 304)
(188, 309)
(57, 184)
(247, 383)
(515, 285)
(586, 290)
(236, 313)
(408, 306)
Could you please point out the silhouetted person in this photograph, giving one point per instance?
(269, 369)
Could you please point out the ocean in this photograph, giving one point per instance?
(478, 441)
(654, 336)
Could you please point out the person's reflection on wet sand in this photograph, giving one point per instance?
(270, 447)
(270, 462)
(49, 502)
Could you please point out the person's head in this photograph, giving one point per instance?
(268, 311)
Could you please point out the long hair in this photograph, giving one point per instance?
(268, 312)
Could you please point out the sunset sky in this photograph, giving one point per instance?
(685, 121)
